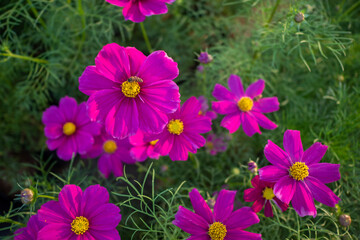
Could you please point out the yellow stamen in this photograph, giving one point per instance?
(80, 225)
(175, 126)
(245, 104)
(69, 128)
(299, 171)
(110, 146)
(200, 112)
(217, 231)
(130, 89)
(268, 193)
(154, 142)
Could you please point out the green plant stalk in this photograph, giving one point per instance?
(36, 13)
(273, 12)
(46, 196)
(7, 220)
(26, 58)
(146, 38)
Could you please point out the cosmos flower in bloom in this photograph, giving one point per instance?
(113, 153)
(262, 194)
(182, 133)
(205, 108)
(82, 215)
(219, 224)
(215, 144)
(138, 10)
(129, 91)
(30, 232)
(244, 108)
(68, 128)
(298, 175)
(143, 146)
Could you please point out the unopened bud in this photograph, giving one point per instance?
(164, 168)
(205, 58)
(345, 220)
(27, 196)
(299, 17)
(252, 167)
(211, 203)
(341, 78)
(235, 171)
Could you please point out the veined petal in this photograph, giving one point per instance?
(225, 107)
(255, 89)
(70, 197)
(91, 81)
(267, 105)
(68, 106)
(190, 222)
(132, 12)
(314, 154)
(200, 206)
(236, 86)
(275, 155)
(264, 121)
(136, 59)
(325, 172)
(224, 205)
(292, 145)
(242, 219)
(250, 124)
(321, 192)
(285, 188)
(231, 122)
(152, 7)
(242, 235)
(222, 94)
(302, 201)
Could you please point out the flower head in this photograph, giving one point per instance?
(182, 133)
(244, 107)
(69, 129)
(129, 91)
(80, 215)
(252, 167)
(298, 175)
(215, 144)
(205, 58)
(200, 68)
(204, 111)
(27, 196)
(217, 224)
(138, 10)
(345, 220)
(30, 232)
(144, 146)
(262, 194)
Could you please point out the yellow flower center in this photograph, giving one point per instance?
(154, 142)
(217, 231)
(200, 112)
(69, 128)
(80, 225)
(268, 193)
(130, 89)
(175, 126)
(299, 171)
(110, 146)
(245, 104)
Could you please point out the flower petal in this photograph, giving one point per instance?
(132, 12)
(283, 206)
(165, 144)
(105, 235)
(152, 7)
(51, 212)
(314, 154)
(222, 94)
(93, 197)
(53, 130)
(242, 219)
(242, 235)
(200, 206)
(264, 121)
(100, 103)
(136, 59)
(67, 149)
(53, 115)
(105, 217)
(59, 231)
(92, 81)
(250, 125)
(267, 105)
(190, 222)
(285, 188)
(272, 173)
(104, 165)
(68, 107)
(258, 204)
(255, 89)
(224, 205)
(275, 155)
(231, 122)
(252, 194)
(321, 192)
(236, 86)
(302, 201)
(55, 143)
(119, 3)
(292, 145)
(180, 149)
(325, 172)
(268, 209)
(70, 198)
(84, 141)
(151, 120)
(225, 107)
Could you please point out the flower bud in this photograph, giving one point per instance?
(200, 68)
(211, 203)
(27, 196)
(345, 220)
(164, 168)
(299, 17)
(341, 78)
(205, 58)
(252, 167)
(235, 171)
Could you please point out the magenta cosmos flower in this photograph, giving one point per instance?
(182, 133)
(221, 223)
(80, 215)
(244, 108)
(144, 146)
(205, 108)
(129, 91)
(262, 194)
(68, 128)
(138, 10)
(215, 144)
(298, 175)
(30, 232)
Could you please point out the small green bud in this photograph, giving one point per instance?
(235, 171)
(341, 78)
(27, 196)
(345, 220)
(299, 17)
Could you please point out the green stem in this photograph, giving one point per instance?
(26, 58)
(33, 9)
(146, 38)
(46, 196)
(273, 12)
(7, 220)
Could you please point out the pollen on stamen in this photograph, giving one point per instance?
(175, 126)
(268, 193)
(69, 128)
(154, 142)
(80, 225)
(299, 171)
(245, 104)
(130, 89)
(110, 146)
(217, 231)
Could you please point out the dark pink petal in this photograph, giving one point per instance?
(117, 166)
(51, 212)
(123, 154)
(101, 102)
(93, 197)
(190, 108)
(211, 114)
(292, 145)
(152, 7)
(196, 140)
(222, 94)
(224, 205)
(285, 188)
(151, 120)
(236, 86)
(272, 173)
(105, 217)
(321, 192)
(283, 206)
(302, 201)
(252, 194)
(267, 105)
(275, 155)
(165, 144)
(241, 219)
(53, 115)
(325, 172)
(68, 107)
(255, 89)
(250, 124)
(180, 149)
(258, 204)
(92, 128)
(58, 231)
(22, 234)
(104, 165)
(314, 154)
(268, 209)
(242, 235)
(67, 149)
(70, 198)
(132, 12)
(204, 236)
(190, 222)
(158, 66)
(55, 143)
(264, 121)
(84, 141)
(92, 81)
(231, 122)
(200, 206)
(225, 107)
(81, 116)
(113, 63)
(53, 130)
(255, 182)
(152, 153)
(136, 59)
(105, 235)
(119, 3)
(198, 124)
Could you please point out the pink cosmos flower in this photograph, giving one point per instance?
(30, 232)
(205, 108)
(215, 144)
(262, 194)
(298, 175)
(182, 133)
(244, 108)
(144, 146)
(113, 153)
(138, 10)
(221, 223)
(68, 128)
(129, 91)
(81, 215)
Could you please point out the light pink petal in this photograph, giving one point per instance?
(314, 154)
(224, 205)
(53, 130)
(152, 7)
(231, 122)
(242, 235)
(52, 212)
(67, 149)
(136, 59)
(58, 231)
(222, 94)
(68, 107)
(275, 155)
(55, 143)
(53, 115)
(236, 86)
(285, 188)
(92, 81)
(292, 145)
(101, 102)
(93, 197)
(264, 121)
(70, 198)
(242, 219)
(321, 192)
(302, 201)
(325, 172)
(250, 125)
(268, 209)
(132, 12)
(200, 206)
(267, 105)
(190, 222)
(225, 107)
(255, 89)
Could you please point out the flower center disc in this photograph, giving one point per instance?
(154, 142)
(245, 104)
(69, 128)
(268, 193)
(217, 231)
(299, 171)
(110, 146)
(130, 89)
(175, 126)
(80, 225)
